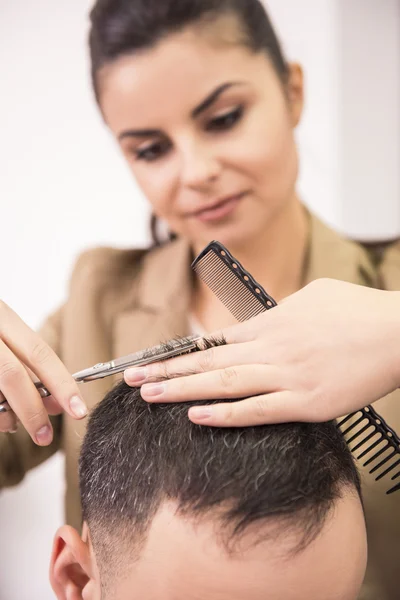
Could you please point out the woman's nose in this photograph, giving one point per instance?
(199, 168)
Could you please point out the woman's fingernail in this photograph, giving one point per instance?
(153, 390)
(78, 407)
(135, 375)
(44, 436)
(200, 413)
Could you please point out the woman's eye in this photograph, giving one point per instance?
(153, 151)
(226, 120)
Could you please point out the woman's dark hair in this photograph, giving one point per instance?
(121, 27)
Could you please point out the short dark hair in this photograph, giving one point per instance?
(120, 27)
(136, 455)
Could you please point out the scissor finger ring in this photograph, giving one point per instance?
(5, 407)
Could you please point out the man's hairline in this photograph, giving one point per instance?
(282, 528)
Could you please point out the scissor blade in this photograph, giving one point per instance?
(155, 354)
(143, 357)
(97, 372)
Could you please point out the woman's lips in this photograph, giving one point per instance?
(218, 211)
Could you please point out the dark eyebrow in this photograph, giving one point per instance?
(139, 133)
(213, 97)
(209, 101)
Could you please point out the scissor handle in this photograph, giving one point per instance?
(43, 391)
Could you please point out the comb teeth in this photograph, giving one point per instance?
(232, 292)
(379, 437)
(231, 283)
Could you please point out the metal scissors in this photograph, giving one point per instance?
(137, 359)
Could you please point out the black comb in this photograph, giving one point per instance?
(231, 283)
(245, 298)
(380, 442)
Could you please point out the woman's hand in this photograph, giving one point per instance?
(23, 355)
(326, 351)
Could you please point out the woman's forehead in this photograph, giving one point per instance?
(180, 69)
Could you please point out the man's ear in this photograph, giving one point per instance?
(71, 568)
(295, 91)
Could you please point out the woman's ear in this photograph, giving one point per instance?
(295, 91)
(71, 569)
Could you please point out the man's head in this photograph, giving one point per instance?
(174, 510)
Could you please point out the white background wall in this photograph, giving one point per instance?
(64, 187)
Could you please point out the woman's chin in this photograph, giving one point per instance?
(243, 227)
(231, 236)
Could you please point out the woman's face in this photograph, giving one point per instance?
(207, 130)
